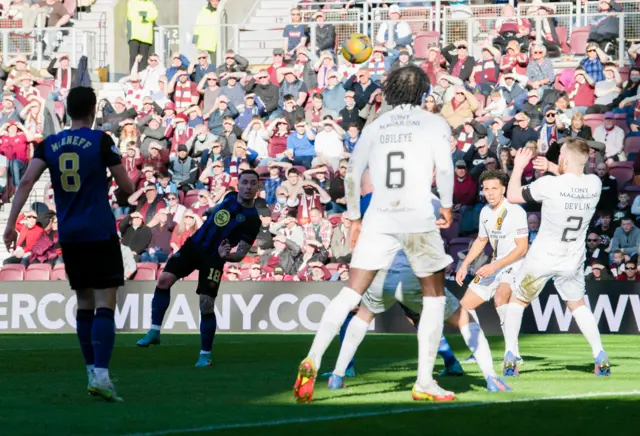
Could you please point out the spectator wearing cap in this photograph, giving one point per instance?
(606, 90)
(220, 110)
(277, 63)
(295, 34)
(165, 185)
(340, 241)
(604, 27)
(598, 272)
(265, 91)
(329, 143)
(376, 64)
(291, 85)
(29, 232)
(210, 89)
(253, 107)
(312, 251)
(550, 131)
(479, 152)
(514, 61)
(264, 240)
(300, 145)
(255, 273)
(179, 131)
(334, 94)
(314, 272)
(161, 226)
(47, 247)
(593, 64)
(304, 67)
(216, 180)
(403, 60)
(311, 196)
(318, 229)
(394, 34)
(183, 169)
(284, 255)
(23, 88)
(549, 35)
(233, 274)
(14, 145)
(325, 33)
(433, 64)
(461, 65)
(291, 111)
(158, 158)
(135, 234)
(141, 17)
(199, 70)
(519, 132)
(362, 86)
(484, 77)
(8, 112)
(147, 110)
(465, 188)
(179, 62)
(445, 89)
(582, 95)
(132, 160)
(613, 138)
(65, 77)
(350, 113)
(540, 69)
(205, 34)
(278, 275)
(233, 90)
(149, 204)
(204, 202)
(229, 136)
(17, 66)
(461, 108)
(532, 107)
(114, 114)
(183, 91)
(189, 223)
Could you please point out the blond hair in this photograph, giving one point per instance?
(577, 150)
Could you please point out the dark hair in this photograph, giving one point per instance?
(604, 213)
(353, 125)
(288, 97)
(627, 218)
(81, 103)
(327, 117)
(248, 173)
(494, 175)
(293, 171)
(318, 96)
(406, 85)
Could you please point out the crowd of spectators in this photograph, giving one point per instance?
(187, 129)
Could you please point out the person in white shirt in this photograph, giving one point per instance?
(329, 144)
(612, 137)
(256, 136)
(402, 161)
(150, 76)
(569, 201)
(504, 226)
(394, 34)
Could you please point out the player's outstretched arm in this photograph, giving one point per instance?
(476, 249)
(514, 191)
(241, 251)
(31, 176)
(122, 179)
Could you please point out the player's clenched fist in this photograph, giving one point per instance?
(446, 218)
(224, 249)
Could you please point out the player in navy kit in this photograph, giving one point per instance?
(233, 223)
(78, 159)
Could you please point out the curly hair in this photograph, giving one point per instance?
(498, 175)
(406, 85)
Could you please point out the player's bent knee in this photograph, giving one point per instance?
(86, 299)
(360, 279)
(105, 297)
(573, 305)
(166, 280)
(207, 304)
(503, 294)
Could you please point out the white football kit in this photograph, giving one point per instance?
(502, 226)
(401, 148)
(398, 282)
(558, 252)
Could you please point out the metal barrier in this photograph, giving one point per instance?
(631, 11)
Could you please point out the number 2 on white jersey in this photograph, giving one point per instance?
(69, 166)
(575, 228)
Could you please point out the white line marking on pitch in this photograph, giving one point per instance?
(383, 412)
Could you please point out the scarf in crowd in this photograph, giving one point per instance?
(63, 79)
(182, 95)
(235, 163)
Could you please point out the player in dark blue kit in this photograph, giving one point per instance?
(233, 223)
(78, 159)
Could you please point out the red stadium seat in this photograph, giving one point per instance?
(624, 73)
(578, 40)
(621, 121)
(422, 41)
(562, 36)
(452, 232)
(58, 274)
(333, 267)
(40, 266)
(17, 266)
(38, 273)
(148, 265)
(633, 192)
(193, 275)
(145, 274)
(44, 90)
(632, 145)
(623, 172)
(181, 196)
(457, 245)
(191, 197)
(594, 120)
(11, 274)
(300, 168)
(335, 220)
(58, 266)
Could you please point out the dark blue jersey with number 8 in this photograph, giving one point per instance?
(78, 161)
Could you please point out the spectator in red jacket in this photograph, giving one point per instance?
(465, 190)
(630, 271)
(47, 248)
(583, 92)
(30, 232)
(14, 145)
(189, 223)
(314, 272)
(279, 275)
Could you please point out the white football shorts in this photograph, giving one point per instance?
(534, 275)
(401, 285)
(485, 287)
(425, 251)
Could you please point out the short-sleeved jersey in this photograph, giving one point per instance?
(402, 148)
(78, 160)
(502, 226)
(229, 220)
(568, 204)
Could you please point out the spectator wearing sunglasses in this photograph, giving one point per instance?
(460, 64)
(595, 254)
(540, 70)
(593, 64)
(29, 231)
(362, 86)
(198, 70)
(630, 270)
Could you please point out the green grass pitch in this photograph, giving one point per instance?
(248, 389)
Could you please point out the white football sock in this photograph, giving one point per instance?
(102, 375)
(502, 314)
(477, 343)
(353, 337)
(587, 324)
(474, 316)
(331, 321)
(90, 371)
(512, 324)
(155, 327)
(429, 333)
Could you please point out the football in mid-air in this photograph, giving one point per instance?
(357, 48)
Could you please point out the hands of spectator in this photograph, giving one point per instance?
(151, 250)
(18, 252)
(373, 96)
(138, 59)
(522, 159)
(468, 128)
(446, 218)
(461, 274)
(633, 127)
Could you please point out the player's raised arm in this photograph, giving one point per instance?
(112, 160)
(514, 191)
(357, 165)
(32, 175)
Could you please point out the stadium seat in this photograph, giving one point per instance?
(333, 267)
(457, 245)
(191, 197)
(562, 36)
(621, 121)
(44, 90)
(193, 275)
(58, 266)
(557, 85)
(632, 145)
(422, 41)
(623, 172)
(148, 265)
(624, 73)
(11, 274)
(40, 272)
(181, 196)
(633, 192)
(16, 266)
(145, 274)
(300, 168)
(594, 120)
(578, 40)
(452, 232)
